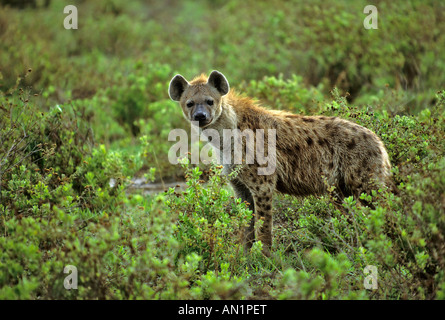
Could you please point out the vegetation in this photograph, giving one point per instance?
(84, 111)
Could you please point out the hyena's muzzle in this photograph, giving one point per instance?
(202, 115)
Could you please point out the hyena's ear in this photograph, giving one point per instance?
(218, 81)
(177, 87)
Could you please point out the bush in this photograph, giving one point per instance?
(208, 224)
(123, 247)
(290, 94)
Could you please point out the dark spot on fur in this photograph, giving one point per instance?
(309, 141)
(316, 134)
(364, 163)
(288, 149)
(322, 118)
(333, 131)
(268, 207)
(365, 136)
(294, 163)
(351, 144)
(331, 165)
(305, 119)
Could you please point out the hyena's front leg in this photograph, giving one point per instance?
(263, 214)
(262, 188)
(243, 192)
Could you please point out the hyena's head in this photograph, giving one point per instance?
(201, 98)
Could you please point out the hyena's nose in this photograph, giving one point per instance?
(200, 116)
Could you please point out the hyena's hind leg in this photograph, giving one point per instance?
(366, 179)
(242, 192)
(337, 189)
(347, 187)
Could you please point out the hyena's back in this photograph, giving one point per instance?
(313, 152)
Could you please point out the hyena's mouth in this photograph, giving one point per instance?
(203, 123)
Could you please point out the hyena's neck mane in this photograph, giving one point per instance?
(235, 107)
(249, 113)
(241, 112)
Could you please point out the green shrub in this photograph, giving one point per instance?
(209, 224)
(290, 94)
(123, 247)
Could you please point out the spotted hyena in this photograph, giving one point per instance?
(311, 152)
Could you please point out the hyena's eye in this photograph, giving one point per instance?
(190, 104)
(209, 102)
